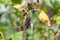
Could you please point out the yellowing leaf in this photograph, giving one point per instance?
(43, 15)
(44, 18)
(20, 5)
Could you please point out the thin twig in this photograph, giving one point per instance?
(57, 35)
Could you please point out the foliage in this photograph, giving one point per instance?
(12, 19)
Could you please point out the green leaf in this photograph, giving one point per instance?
(59, 38)
(17, 36)
(48, 3)
(16, 1)
(6, 1)
(36, 37)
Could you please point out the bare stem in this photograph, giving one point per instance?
(57, 35)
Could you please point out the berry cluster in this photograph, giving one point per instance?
(27, 22)
(30, 7)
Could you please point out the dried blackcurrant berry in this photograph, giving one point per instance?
(0, 34)
(37, 1)
(24, 14)
(23, 10)
(0, 15)
(27, 23)
(30, 8)
(27, 20)
(33, 11)
(29, 4)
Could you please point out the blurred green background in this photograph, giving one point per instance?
(12, 20)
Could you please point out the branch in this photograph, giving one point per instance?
(57, 35)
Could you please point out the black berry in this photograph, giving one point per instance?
(33, 11)
(23, 10)
(27, 22)
(0, 15)
(37, 1)
(0, 34)
(24, 14)
(29, 4)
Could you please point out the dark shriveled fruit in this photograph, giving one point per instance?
(37, 1)
(27, 22)
(24, 14)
